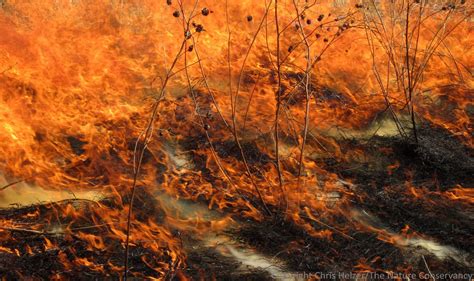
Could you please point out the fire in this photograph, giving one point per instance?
(203, 90)
(459, 193)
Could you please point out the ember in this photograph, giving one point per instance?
(236, 140)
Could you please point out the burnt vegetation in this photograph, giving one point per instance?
(247, 142)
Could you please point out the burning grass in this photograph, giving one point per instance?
(276, 138)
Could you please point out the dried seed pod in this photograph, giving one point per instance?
(359, 6)
(205, 12)
(326, 40)
(176, 14)
(199, 28)
(169, 2)
(318, 35)
(321, 17)
(290, 48)
(249, 18)
(308, 21)
(190, 48)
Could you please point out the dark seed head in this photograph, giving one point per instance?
(169, 2)
(326, 40)
(290, 49)
(205, 11)
(321, 17)
(199, 28)
(176, 14)
(318, 35)
(190, 48)
(308, 21)
(249, 18)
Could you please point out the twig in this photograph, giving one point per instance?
(427, 268)
(278, 108)
(201, 121)
(147, 134)
(10, 184)
(32, 231)
(234, 103)
(307, 96)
